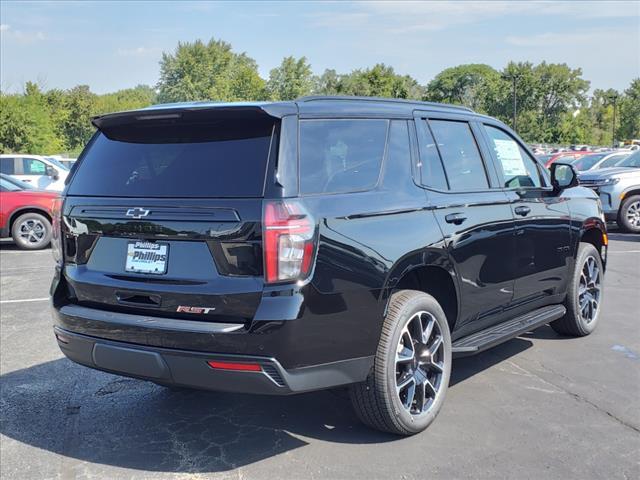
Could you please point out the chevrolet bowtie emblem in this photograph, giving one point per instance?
(137, 212)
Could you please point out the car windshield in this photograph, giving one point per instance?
(7, 186)
(632, 160)
(613, 160)
(57, 163)
(17, 183)
(585, 163)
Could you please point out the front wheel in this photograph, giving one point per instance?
(406, 387)
(584, 295)
(629, 214)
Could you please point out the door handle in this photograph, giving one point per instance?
(455, 218)
(522, 211)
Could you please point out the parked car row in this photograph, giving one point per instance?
(45, 173)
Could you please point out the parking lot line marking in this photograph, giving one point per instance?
(626, 251)
(26, 300)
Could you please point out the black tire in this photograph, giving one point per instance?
(574, 323)
(41, 232)
(377, 401)
(630, 207)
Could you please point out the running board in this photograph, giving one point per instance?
(496, 334)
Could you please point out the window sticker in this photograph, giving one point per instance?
(36, 168)
(510, 157)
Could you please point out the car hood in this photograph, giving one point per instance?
(610, 172)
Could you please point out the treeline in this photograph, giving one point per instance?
(553, 101)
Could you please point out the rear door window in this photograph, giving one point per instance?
(341, 155)
(225, 159)
(517, 167)
(7, 166)
(460, 155)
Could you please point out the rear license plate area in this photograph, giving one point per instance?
(147, 257)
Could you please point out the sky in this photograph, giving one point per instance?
(110, 45)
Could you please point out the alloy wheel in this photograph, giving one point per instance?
(32, 231)
(589, 290)
(419, 364)
(633, 214)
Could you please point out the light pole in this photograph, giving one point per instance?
(514, 77)
(614, 100)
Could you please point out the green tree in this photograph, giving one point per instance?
(211, 71)
(76, 125)
(292, 79)
(630, 112)
(377, 81)
(26, 123)
(476, 86)
(328, 83)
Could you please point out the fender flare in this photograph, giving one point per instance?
(430, 257)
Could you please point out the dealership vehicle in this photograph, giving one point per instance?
(18, 183)
(25, 214)
(587, 162)
(619, 191)
(563, 157)
(610, 160)
(286, 247)
(42, 172)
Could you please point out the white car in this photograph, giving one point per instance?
(45, 173)
(611, 160)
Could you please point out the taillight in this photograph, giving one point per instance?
(56, 234)
(289, 234)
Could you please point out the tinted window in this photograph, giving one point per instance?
(518, 169)
(430, 166)
(31, 166)
(340, 155)
(632, 160)
(460, 155)
(227, 159)
(612, 160)
(397, 167)
(7, 166)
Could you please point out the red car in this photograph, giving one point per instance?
(572, 155)
(25, 213)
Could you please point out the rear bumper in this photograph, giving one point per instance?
(190, 368)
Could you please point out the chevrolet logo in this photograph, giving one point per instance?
(137, 212)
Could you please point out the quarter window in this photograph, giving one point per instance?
(460, 155)
(338, 156)
(518, 169)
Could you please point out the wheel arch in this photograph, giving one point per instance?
(431, 272)
(26, 209)
(594, 231)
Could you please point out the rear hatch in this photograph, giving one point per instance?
(163, 213)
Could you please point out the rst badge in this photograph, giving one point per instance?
(199, 310)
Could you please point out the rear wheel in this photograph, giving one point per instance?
(629, 214)
(406, 388)
(31, 231)
(584, 294)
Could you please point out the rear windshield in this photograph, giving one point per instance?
(221, 159)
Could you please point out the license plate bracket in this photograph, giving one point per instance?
(147, 257)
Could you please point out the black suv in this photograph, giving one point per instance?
(277, 248)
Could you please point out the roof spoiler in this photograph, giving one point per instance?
(201, 111)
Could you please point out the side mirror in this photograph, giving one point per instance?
(563, 176)
(52, 172)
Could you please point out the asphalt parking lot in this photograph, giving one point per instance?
(539, 406)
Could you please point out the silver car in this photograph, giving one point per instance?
(619, 190)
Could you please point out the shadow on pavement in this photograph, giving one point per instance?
(104, 419)
(624, 237)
